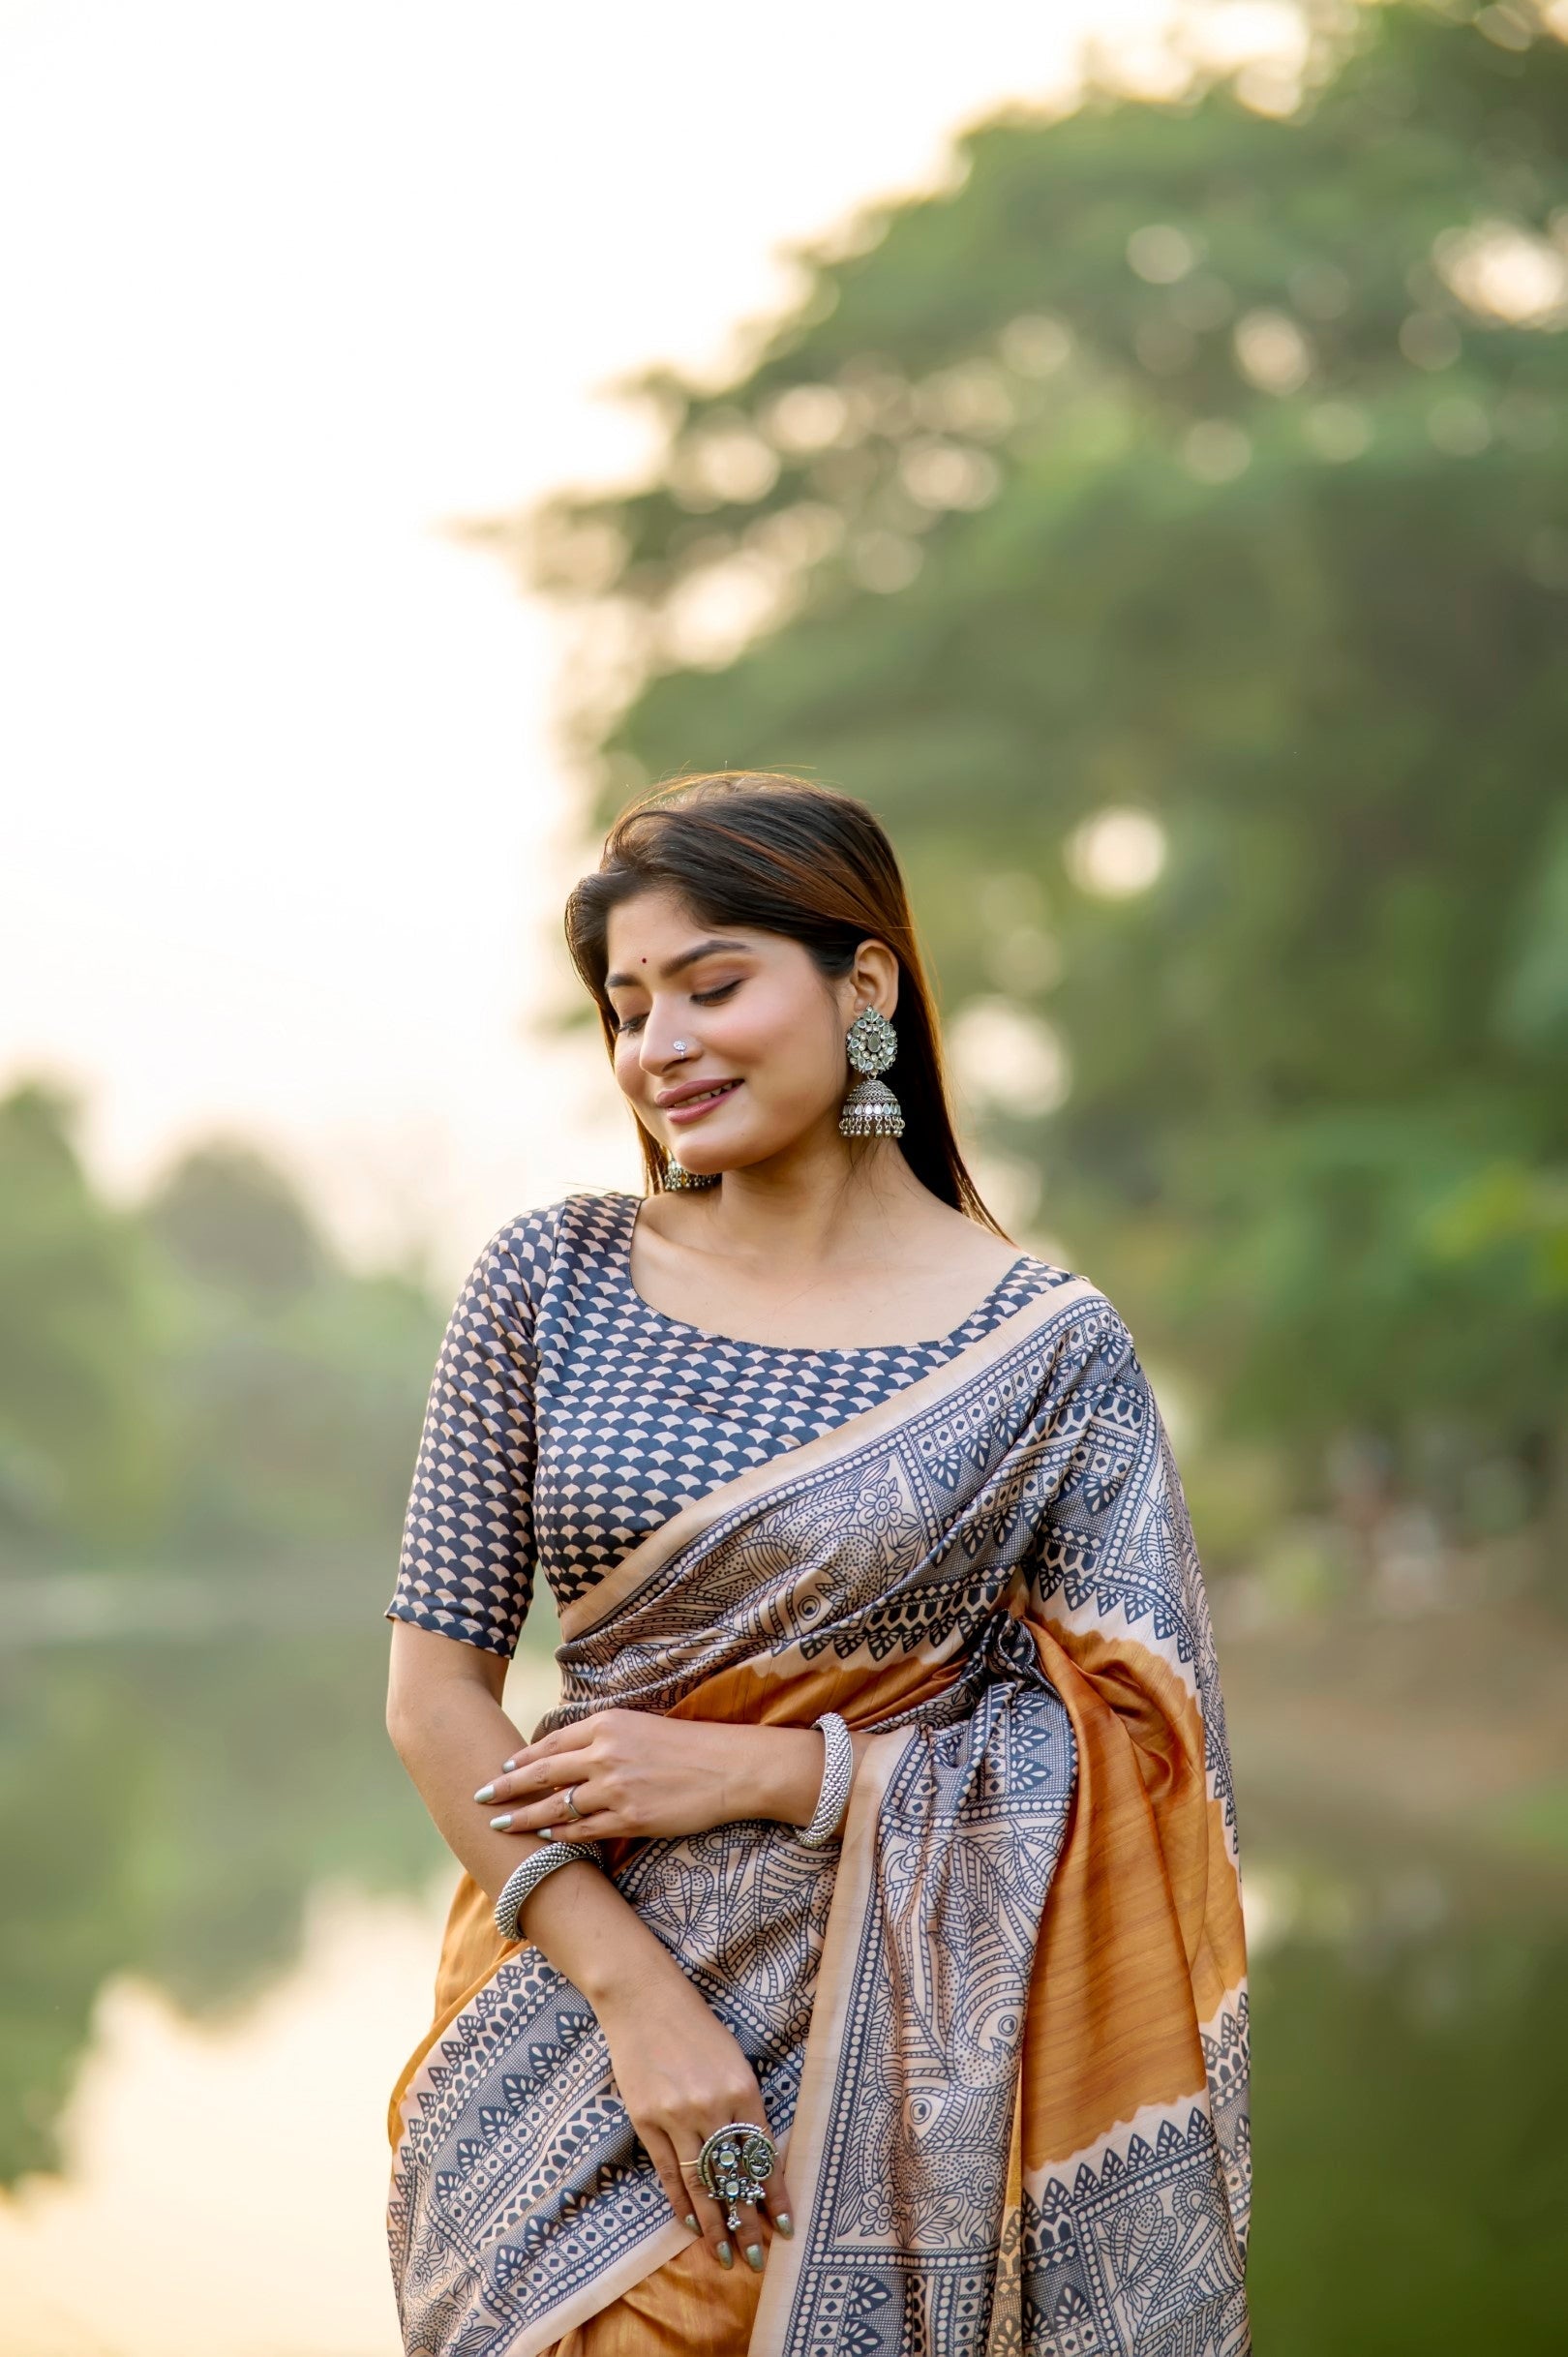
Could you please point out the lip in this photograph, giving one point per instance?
(690, 1103)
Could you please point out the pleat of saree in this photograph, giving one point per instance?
(1001, 2033)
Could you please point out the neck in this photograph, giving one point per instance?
(816, 1206)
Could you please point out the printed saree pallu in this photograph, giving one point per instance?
(1000, 2032)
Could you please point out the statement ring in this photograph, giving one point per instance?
(571, 1801)
(733, 2165)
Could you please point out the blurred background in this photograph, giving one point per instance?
(1127, 444)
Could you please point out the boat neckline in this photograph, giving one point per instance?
(815, 1350)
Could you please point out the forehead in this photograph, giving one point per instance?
(655, 932)
(656, 919)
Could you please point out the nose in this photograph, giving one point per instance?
(662, 1044)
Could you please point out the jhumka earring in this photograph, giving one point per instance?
(871, 1109)
(677, 1178)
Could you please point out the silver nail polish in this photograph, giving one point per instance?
(500, 1824)
(726, 2256)
(485, 1791)
(691, 2222)
(784, 2224)
(754, 2257)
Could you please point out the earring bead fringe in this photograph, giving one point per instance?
(679, 1179)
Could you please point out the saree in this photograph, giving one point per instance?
(1001, 2031)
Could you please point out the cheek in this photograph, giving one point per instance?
(788, 1054)
(628, 1068)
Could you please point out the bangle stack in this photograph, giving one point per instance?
(838, 1776)
(524, 1879)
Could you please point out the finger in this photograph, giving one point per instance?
(553, 1812)
(778, 2208)
(714, 2224)
(601, 1825)
(537, 1782)
(563, 1738)
(662, 2153)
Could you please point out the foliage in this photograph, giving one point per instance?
(199, 1402)
(81, 1446)
(195, 1382)
(1167, 531)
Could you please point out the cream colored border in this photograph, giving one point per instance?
(836, 1985)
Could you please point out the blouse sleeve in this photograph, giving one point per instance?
(467, 1563)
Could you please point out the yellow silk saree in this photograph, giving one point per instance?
(1001, 2030)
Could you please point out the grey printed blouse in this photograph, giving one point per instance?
(569, 1418)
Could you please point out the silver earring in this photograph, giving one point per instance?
(677, 1178)
(871, 1109)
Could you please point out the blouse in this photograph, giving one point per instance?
(569, 1418)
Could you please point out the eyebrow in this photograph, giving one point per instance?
(676, 965)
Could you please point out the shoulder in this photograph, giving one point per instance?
(1092, 1334)
(517, 1259)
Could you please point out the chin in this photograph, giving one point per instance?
(710, 1159)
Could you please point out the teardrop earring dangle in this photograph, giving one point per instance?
(677, 1178)
(871, 1109)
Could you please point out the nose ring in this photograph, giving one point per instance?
(681, 1047)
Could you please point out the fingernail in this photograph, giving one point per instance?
(500, 1824)
(784, 2224)
(485, 1791)
(691, 2222)
(754, 2257)
(725, 2255)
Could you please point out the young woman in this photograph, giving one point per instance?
(852, 1961)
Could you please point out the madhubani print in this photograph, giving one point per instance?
(1120, 1541)
(568, 1419)
(904, 2251)
(1118, 1545)
(1136, 2253)
(520, 2178)
(1029, 1484)
(905, 1545)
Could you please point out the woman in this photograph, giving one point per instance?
(989, 2018)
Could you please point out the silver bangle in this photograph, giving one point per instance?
(838, 1776)
(524, 1879)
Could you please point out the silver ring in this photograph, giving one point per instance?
(571, 1801)
(734, 2164)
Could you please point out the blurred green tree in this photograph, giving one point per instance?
(1167, 530)
(196, 1398)
(84, 1454)
(297, 1385)
(195, 1384)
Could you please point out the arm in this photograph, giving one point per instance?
(444, 1716)
(463, 1583)
(633, 1773)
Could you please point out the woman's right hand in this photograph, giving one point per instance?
(681, 2074)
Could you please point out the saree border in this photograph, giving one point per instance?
(853, 1891)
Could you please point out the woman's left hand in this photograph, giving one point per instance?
(636, 1773)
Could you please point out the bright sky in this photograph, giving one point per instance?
(284, 284)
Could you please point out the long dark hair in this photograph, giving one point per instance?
(782, 855)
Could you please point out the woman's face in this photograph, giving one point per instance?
(763, 1026)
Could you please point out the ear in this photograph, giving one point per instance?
(872, 981)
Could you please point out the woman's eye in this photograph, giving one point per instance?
(626, 1024)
